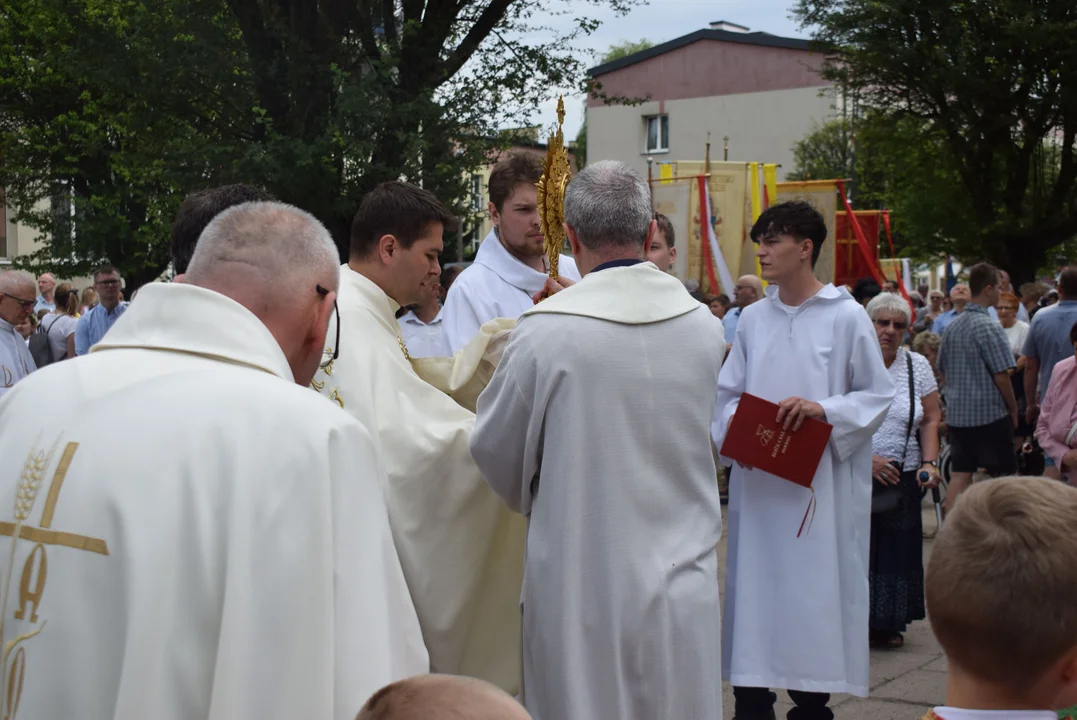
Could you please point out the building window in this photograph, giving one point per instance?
(657, 133)
(476, 193)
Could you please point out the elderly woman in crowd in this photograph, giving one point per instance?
(896, 565)
(1016, 332)
(1056, 429)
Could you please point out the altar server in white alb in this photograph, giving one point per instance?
(227, 554)
(510, 267)
(460, 547)
(17, 300)
(596, 426)
(796, 608)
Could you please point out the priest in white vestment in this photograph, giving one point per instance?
(188, 530)
(460, 547)
(17, 300)
(510, 267)
(796, 608)
(596, 426)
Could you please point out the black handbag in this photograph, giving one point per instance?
(884, 498)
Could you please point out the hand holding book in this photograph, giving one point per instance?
(792, 412)
(786, 439)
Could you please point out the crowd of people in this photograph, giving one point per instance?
(336, 496)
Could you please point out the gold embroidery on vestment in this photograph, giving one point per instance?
(14, 683)
(317, 385)
(9, 377)
(35, 567)
(57, 483)
(335, 397)
(404, 348)
(32, 596)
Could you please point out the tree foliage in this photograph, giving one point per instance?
(626, 48)
(986, 91)
(118, 108)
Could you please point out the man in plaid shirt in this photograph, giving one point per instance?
(981, 411)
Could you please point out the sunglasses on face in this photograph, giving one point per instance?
(896, 324)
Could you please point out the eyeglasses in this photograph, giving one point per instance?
(107, 283)
(330, 354)
(26, 304)
(896, 324)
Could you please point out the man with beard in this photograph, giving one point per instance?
(510, 267)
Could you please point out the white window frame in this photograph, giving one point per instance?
(662, 139)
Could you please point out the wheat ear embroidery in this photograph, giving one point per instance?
(33, 474)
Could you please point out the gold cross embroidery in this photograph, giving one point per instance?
(44, 534)
(35, 568)
(404, 348)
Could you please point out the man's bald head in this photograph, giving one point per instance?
(19, 291)
(441, 697)
(281, 264)
(265, 247)
(749, 289)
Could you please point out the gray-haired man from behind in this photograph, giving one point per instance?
(586, 429)
(240, 522)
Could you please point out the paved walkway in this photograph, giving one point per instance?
(905, 683)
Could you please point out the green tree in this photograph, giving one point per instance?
(988, 90)
(117, 108)
(625, 48)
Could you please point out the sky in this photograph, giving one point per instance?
(662, 20)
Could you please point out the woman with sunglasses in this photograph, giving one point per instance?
(904, 448)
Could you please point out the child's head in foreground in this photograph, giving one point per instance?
(1002, 595)
(441, 697)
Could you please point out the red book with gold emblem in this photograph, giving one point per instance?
(756, 439)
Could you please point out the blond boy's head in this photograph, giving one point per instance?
(441, 697)
(1002, 586)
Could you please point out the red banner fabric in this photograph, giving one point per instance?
(868, 251)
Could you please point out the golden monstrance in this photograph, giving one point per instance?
(551, 192)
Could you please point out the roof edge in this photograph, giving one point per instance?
(761, 39)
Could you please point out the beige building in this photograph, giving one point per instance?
(17, 240)
(759, 91)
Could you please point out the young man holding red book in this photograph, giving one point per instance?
(796, 608)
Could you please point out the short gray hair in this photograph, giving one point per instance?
(270, 240)
(609, 203)
(889, 303)
(14, 280)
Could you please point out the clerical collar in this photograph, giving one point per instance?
(627, 262)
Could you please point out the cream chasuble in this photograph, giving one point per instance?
(198, 537)
(15, 359)
(596, 426)
(496, 285)
(796, 608)
(461, 548)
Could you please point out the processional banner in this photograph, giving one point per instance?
(675, 194)
(823, 196)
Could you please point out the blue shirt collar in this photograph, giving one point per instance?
(627, 262)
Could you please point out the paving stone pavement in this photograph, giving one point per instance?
(905, 683)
